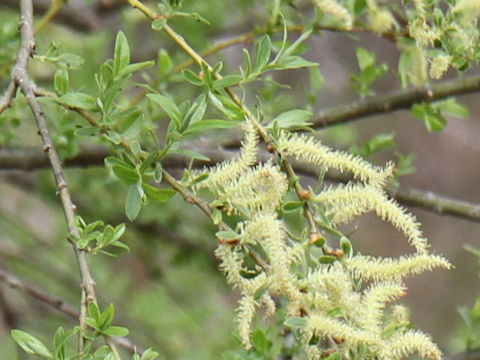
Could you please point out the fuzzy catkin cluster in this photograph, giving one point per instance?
(445, 33)
(344, 302)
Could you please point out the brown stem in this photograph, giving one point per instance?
(21, 78)
(56, 302)
(399, 101)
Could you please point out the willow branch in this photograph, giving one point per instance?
(32, 159)
(56, 302)
(21, 78)
(38, 294)
(8, 96)
(399, 101)
(28, 159)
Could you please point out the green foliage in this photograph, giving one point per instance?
(433, 114)
(369, 72)
(280, 245)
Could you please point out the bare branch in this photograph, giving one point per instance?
(8, 96)
(56, 302)
(22, 80)
(402, 100)
(39, 294)
(32, 159)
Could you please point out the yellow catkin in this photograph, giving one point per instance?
(401, 345)
(335, 9)
(468, 8)
(229, 170)
(346, 202)
(439, 66)
(381, 20)
(387, 269)
(308, 149)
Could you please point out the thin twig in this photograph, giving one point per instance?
(399, 101)
(8, 96)
(56, 302)
(39, 294)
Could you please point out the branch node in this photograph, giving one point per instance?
(189, 200)
(46, 148)
(61, 186)
(429, 94)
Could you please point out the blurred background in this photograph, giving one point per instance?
(167, 289)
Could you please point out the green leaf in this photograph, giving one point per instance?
(326, 259)
(192, 78)
(93, 311)
(60, 81)
(168, 105)
(226, 235)
(122, 54)
(78, 100)
(198, 179)
(404, 67)
(260, 341)
(381, 142)
(158, 195)
(227, 81)
(334, 356)
(359, 6)
(418, 110)
(216, 216)
(164, 63)
(106, 317)
(133, 202)
(129, 69)
(292, 120)
(31, 345)
(70, 61)
(204, 125)
(435, 122)
(158, 24)
(199, 107)
(295, 322)
(125, 174)
(336, 312)
(158, 175)
(294, 62)
(365, 58)
(116, 331)
(289, 51)
(263, 53)
(149, 354)
(247, 63)
(316, 79)
(346, 246)
(291, 206)
(453, 108)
